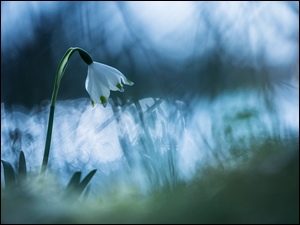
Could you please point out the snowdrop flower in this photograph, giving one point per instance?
(101, 79)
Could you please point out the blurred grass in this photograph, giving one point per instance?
(248, 171)
(263, 190)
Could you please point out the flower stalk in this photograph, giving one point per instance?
(60, 72)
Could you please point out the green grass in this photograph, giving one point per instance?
(263, 190)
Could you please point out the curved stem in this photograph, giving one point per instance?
(60, 72)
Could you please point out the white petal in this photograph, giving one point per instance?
(112, 75)
(96, 85)
(126, 81)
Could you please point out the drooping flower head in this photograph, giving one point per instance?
(101, 79)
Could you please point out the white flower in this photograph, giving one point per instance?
(101, 79)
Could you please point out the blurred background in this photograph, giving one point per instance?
(216, 86)
(175, 50)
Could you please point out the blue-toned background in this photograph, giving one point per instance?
(216, 86)
(175, 50)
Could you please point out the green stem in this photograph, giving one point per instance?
(60, 72)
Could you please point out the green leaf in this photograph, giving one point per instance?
(9, 174)
(75, 188)
(74, 181)
(86, 180)
(22, 167)
(72, 186)
(86, 193)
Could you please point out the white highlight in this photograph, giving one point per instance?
(86, 138)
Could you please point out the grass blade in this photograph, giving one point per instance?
(72, 186)
(85, 181)
(86, 194)
(9, 174)
(22, 167)
(81, 186)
